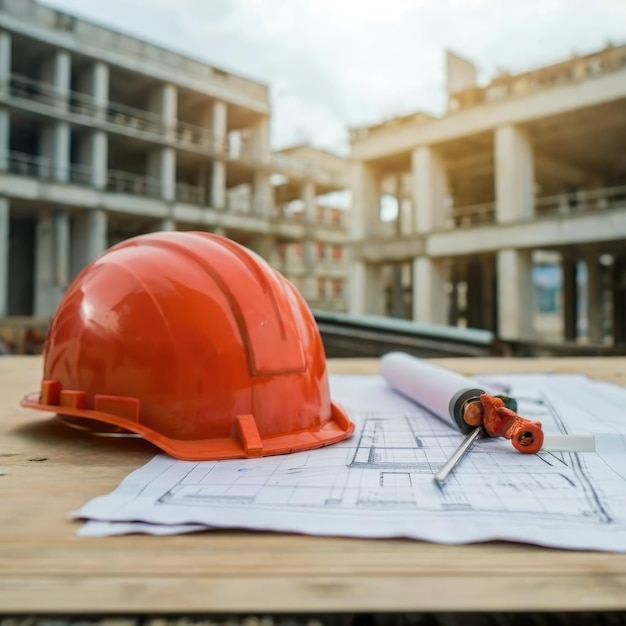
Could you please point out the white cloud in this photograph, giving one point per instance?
(334, 63)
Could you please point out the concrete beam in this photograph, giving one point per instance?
(474, 120)
(539, 233)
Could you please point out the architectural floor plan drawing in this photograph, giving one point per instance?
(380, 482)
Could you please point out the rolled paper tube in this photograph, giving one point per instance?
(437, 389)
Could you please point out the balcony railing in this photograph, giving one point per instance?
(134, 184)
(191, 194)
(581, 201)
(44, 168)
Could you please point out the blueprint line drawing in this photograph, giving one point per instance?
(393, 459)
(379, 483)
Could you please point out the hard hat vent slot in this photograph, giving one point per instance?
(128, 408)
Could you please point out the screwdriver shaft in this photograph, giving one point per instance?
(457, 457)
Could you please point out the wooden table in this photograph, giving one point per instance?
(47, 471)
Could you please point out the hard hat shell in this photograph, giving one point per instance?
(194, 343)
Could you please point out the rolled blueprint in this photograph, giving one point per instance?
(444, 393)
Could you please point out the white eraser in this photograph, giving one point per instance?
(569, 443)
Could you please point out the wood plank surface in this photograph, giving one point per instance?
(48, 470)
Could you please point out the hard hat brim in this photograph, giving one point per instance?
(244, 443)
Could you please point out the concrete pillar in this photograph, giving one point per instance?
(366, 194)
(428, 189)
(217, 192)
(219, 125)
(55, 139)
(93, 82)
(93, 151)
(569, 270)
(308, 197)
(55, 150)
(4, 256)
(5, 136)
(57, 71)
(263, 201)
(5, 62)
(515, 294)
(162, 167)
(163, 101)
(515, 176)
(309, 258)
(595, 299)
(89, 238)
(429, 296)
(52, 261)
(366, 294)
(162, 162)
(93, 147)
(259, 142)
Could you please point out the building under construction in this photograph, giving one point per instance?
(104, 136)
(511, 207)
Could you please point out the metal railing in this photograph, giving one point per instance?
(191, 194)
(564, 204)
(183, 133)
(44, 168)
(133, 184)
(582, 201)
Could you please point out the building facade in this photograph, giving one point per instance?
(104, 136)
(523, 174)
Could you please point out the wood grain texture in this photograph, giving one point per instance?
(48, 470)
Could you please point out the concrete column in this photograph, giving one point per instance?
(168, 224)
(4, 256)
(595, 299)
(309, 286)
(515, 294)
(55, 150)
(366, 294)
(93, 147)
(428, 189)
(162, 163)
(5, 135)
(366, 194)
(308, 197)
(89, 238)
(217, 192)
(219, 125)
(429, 296)
(163, 101)
(570, 298)
(93, 151)
(162, 167)
(57, 70)
(263, 201)
(94, 83)
(515, 176)
(52, 261)
(619, 300)
(5, 62)
(259, 143)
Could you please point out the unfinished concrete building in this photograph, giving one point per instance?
(104, 136)
(525, 173)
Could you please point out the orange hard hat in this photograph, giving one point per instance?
(194, 343)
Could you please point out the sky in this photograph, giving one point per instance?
(335, 64)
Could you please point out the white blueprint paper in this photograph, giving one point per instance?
(380, 482)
